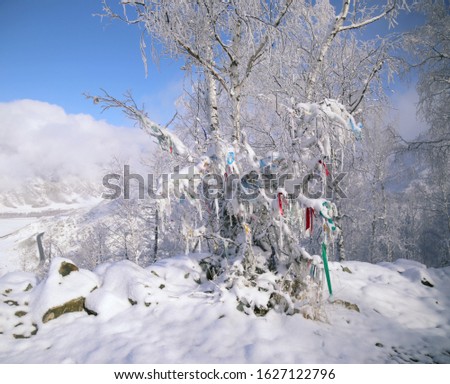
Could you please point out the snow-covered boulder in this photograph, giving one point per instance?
(122, 284)
(412, 270)
(63, 290)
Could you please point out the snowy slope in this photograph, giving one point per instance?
(60, 222)
(385, 313)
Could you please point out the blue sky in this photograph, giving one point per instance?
(54, 50)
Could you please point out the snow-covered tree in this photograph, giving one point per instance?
(373, 225)
(428, 55)
(270, 91)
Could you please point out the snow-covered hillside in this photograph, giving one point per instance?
(170, 313)
(61, 225)
(39, 197)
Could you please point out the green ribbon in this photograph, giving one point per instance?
(325, 266)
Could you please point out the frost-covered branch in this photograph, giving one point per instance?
(259, 50)
(167, 140)
(337, 28)
(370, 20)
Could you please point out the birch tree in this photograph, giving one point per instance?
(226, 39)
(246, 52)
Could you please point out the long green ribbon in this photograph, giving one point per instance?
(325, 266)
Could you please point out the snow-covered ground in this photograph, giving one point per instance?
(387, 313)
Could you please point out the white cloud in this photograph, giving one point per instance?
(41, 139)
(409, 125)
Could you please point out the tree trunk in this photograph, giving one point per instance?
(341, 248)
(237, 115)
(385, 225)
(235, 91)
(213, 139)
(324, 49)
(212, 104)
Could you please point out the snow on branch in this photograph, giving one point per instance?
(335, 111)
(389, 8)
(167, 140)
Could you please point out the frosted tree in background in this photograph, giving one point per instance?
(276, 118)
(429, 53)
(407, 181)
(429, 48)
(373, 225)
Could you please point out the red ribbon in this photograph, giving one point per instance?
(327, 172)
(309, 218)
(280, 203)
(228, 171)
